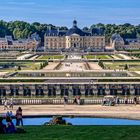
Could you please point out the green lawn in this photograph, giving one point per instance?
(98, 57)
(77, 133)
(118, 56)
(134, 51)
(43, 57)
(133, 66)
(30, 66)
(24, 66)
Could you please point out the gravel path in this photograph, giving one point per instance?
(121, 111)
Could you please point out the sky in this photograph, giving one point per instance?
(63, 12)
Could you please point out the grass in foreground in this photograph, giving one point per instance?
(77, 133)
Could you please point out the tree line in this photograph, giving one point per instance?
(21, 29)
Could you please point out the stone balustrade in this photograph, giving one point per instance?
(36, 101)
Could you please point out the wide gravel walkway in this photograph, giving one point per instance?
(121, 111)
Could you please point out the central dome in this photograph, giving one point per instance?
(75, 30)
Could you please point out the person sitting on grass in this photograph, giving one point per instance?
(2, 126)
(10, 128)
(9, 114)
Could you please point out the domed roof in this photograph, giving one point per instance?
(75, 22)
(75, 30)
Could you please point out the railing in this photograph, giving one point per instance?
(60, 101)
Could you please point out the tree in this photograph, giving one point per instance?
(126, 67)
(101, 64)
(46, 63)
(41, 66)
(19, 67)
(85, 29)
(17, 33)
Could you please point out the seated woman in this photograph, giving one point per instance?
(10, 128)
(2, 126)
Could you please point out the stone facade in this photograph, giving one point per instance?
(128, 44)
(74, 39)
(8, 44)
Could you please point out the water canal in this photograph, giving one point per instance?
(83, 121)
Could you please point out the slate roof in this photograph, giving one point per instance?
(76, 30)
(116, 37)
(55, 32)
(73, 30)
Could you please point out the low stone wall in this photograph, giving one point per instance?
(61, 101)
